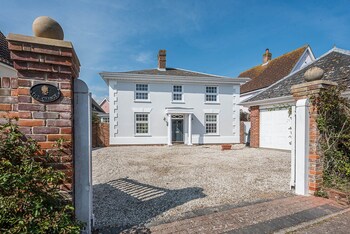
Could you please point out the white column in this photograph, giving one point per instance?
(169, 130)
(189, 129)
(302, 147)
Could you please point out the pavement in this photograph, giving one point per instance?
(279, 215)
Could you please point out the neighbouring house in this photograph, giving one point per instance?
(97, 109)
(6, 66)
(171, 105)
(271, 112)
(105, 105)
(272, 70)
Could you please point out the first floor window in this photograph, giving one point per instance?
(141, 123)
(211, 93)
(177, 93)
(105, 120)
(211, 123)
(141, 92)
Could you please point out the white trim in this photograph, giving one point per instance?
(178, 110)
(269, 101)
(105, 99)
(252, 92)
(211, 111)
(142, 110)
(145, 78)
(308, 49)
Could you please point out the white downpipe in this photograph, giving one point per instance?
(169, 129)
(302, 147)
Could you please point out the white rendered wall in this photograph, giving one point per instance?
(123, 106)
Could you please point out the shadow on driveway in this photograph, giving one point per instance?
(123, 203)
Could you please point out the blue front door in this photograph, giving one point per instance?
(177, 130)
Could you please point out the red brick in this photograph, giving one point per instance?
(25, 130)
(66, 93)
(5, 82)
(25, 115)
(14, 83)
(255, 125)
(31, 122)
(24, 83)
(65, 86)
(46, 145)
(45, 130)
(9, 115)
(14, 92)
(66, 130)
(23, 91)
(45, 115)
(55, 137)
(5, 92)
(5, 107)
(59, 123)
(65, 115)
(8, 100)
(59, 108)
(31, 107)
(39, 138)
(24, 99)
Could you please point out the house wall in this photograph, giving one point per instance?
(105, 106)
(123, 107)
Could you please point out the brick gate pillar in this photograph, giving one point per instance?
(303, 91)
(255, 126)
(46, 61)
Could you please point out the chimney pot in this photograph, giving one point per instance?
(267, 56)
(162, 60)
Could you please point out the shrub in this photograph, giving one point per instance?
(334, 125)
(30, 201)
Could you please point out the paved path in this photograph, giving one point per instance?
(265, 217)
(339, 224)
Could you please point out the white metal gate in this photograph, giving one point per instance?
(82, 155)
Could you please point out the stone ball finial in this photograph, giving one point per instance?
(314, 73)
(44, 26)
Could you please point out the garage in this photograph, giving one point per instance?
(275, 129)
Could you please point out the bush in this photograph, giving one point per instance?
(30, 200)
(334, 125)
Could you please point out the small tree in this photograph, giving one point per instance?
(30, 201)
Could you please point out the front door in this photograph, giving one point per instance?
(177, 130)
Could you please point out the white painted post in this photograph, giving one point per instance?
(82, 155)
(292, 172)
(189, 129)
(169, 130)
(302, 147)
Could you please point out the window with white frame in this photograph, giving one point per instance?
(141, 123)
(211, 123)
(211, 94)
(177, 93)
(141, 92)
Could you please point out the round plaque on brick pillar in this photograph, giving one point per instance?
(45, 93)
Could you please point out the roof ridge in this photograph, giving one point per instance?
(304, 46)
(208, 74)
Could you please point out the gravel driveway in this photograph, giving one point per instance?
(136, 185)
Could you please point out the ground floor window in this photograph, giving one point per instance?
(211, 124)
(142, 124)
(105, 120)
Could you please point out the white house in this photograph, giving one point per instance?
(170, 105)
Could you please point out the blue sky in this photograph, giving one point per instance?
(219, 37)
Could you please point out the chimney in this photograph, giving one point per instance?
(267, 56)
(162, 60)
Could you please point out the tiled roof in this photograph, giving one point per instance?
(266, 74)
(4, 51)
(336, 67)
(171, 72)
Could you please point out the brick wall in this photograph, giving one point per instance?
(302, 91)
(255, 126)
(241, 132)
(100, 135)
(41, 60)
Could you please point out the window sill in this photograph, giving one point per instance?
(178, 102)
(212, 103)
(211, 134)
(142, 101)
(141, 135)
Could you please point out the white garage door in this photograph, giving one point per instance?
(275, 129)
